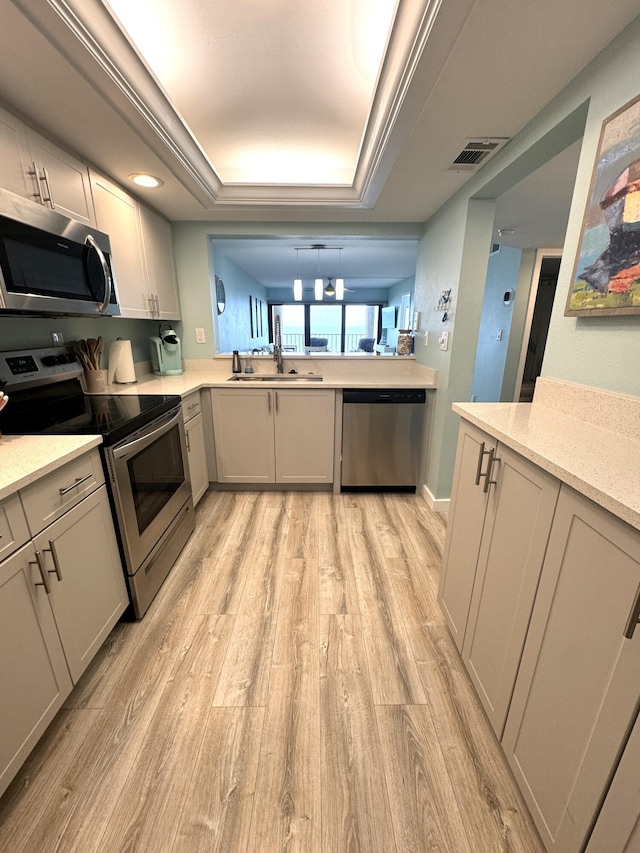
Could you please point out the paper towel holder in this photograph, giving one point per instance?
(113, 370)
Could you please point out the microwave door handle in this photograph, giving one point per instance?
(147, 438)
(90, 241)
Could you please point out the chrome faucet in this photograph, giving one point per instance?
(277, 345)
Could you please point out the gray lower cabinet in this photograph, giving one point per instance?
(469, 502)
(512, 551)
(33, 671)
(87, 587)
(196, 450)
(60, 595)
(265, 435)
(618, 826)
(502, 512)
(578, 685)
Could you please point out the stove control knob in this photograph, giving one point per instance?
(49, 360)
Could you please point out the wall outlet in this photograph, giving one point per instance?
(57, 339)
(443, 340)
(201, 338)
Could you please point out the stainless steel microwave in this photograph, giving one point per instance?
(50, 264)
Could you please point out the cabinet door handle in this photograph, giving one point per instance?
(54, 556)
(634, 617)
(276, 393)
(481, 454)
(44, 177)
(269, 399)
(487, 477)
(77, 483)
(186, 438)
(43, 572)
(34, 171)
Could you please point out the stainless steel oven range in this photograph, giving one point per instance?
(143, 451)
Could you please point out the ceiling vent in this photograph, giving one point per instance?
(475, 153)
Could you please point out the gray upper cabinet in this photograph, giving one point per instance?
(577, 690)
(142, 253)
(35, 168)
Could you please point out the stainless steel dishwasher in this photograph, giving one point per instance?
(381, 438)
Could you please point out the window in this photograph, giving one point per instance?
(341, 328)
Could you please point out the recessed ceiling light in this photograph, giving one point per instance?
(506, 232)
(149, 181)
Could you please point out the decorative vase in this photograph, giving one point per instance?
(405, 342)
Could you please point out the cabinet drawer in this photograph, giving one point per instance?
(14, 531)
(191, 406)
(50, 497)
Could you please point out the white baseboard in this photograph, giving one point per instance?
(434, 504)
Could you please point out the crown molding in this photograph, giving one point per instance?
(131, 86)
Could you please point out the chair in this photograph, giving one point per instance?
(366, 344)
(316, 345)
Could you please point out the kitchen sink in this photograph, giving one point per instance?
(275, 377)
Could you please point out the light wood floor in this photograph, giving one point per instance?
(292, 688)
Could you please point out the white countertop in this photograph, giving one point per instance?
(25, 458)
(336, 373)
(601, 463)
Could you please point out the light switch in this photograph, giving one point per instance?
(444, 341)
(426, 338)
(200, 336)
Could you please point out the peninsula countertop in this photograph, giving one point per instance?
(586, 437)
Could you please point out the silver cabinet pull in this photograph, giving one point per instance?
(77, 483)
(43, 572)
(34, 171)
(487, 477)
(277, 409)
(634, 617)
(186, 436)
(481, 454)
(269, 399)
(54, 556)
(44, 178)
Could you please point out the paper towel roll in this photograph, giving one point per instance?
(121, 366)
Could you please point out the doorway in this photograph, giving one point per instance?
(542, 294)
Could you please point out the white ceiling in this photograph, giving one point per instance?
(234, 72)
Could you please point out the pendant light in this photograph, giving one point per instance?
(318, 283)
(330, 289)
(297, 283)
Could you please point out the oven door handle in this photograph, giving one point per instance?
(147, 438)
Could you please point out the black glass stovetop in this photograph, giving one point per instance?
(62, 409)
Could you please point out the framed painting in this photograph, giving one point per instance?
(606, 274)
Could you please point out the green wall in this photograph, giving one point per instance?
(195, 265)
(27, 332)
(453, 252)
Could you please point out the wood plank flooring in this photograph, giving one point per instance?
(292, 688)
